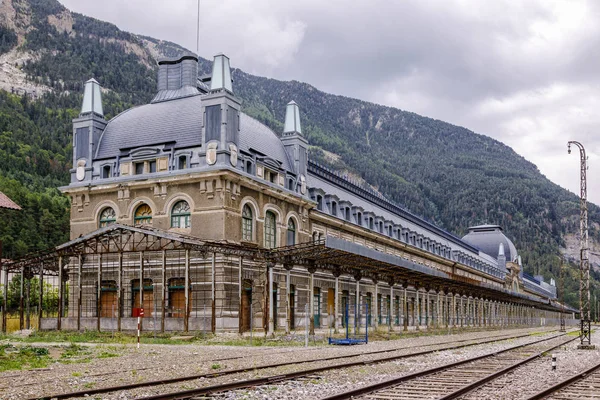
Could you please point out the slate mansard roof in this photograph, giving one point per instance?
(179, 121)
(487, 238)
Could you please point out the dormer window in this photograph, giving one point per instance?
(249, 168)
(152, 166)
(371, 225)
(139, 168)
(271, 176)
(319, 203)
(333, 208)
(106, 172)
(359, 218)
(182, 162)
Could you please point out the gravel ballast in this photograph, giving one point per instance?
(125, 364)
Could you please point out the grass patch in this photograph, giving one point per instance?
(75, 354)
(216, 366)
(13, 358)
(107, 354)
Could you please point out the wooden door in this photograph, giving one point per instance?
(177, 303)
(245, 306)
(331, 304)
(108, 304)
(148, 303)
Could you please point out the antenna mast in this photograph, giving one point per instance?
(198, 31)
(584, 264)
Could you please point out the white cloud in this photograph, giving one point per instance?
(522, 72)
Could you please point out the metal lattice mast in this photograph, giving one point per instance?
(562, 295)
(584, 270)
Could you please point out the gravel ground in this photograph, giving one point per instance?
(526, 381)
(110, 365)
(334, 382)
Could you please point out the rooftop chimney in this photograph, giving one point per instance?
(221, 74)
(177, 77)
(92, 99)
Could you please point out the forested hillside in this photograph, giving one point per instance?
(447, 174)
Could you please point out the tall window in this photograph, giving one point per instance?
(180, 215)
(247, 223)
(270, 230)
(107, 217)
(143, 215)
(291, 232)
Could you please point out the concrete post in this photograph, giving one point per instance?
(336, 305)
(186, 292)
(271, 328)
(376, 308)
(120, 292)
(79, 290)
(288, 306)
(311, 311)
(418, 306)
(99, 294)
(357, 306)
(41, 297)
(165, 289)
(141, 302)
(405, 309)
(22, 300)
(392, 307)
(60, 293)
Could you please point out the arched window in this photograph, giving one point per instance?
(107, 217)
(247, 223)
(143, 215)
(270, 230)
(291, 232)
(180, 215)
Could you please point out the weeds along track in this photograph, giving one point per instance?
(585, 385)
(456, 379)
(245, 383)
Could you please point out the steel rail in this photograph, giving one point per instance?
(566, 383)
(187, 394)
(392, 382)
(90, 392)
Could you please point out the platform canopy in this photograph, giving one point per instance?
(331, 254)
(344, 257)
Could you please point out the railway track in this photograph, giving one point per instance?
(585, 385)
(452, 380)
(276, 378)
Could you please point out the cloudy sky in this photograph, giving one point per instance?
(523, 72)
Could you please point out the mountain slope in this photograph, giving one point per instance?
(447, 174)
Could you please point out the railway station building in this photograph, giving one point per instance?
(207, 219)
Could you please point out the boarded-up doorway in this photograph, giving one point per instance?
(245, 308)
(108, 299)
(148, 301)
(331, 311)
